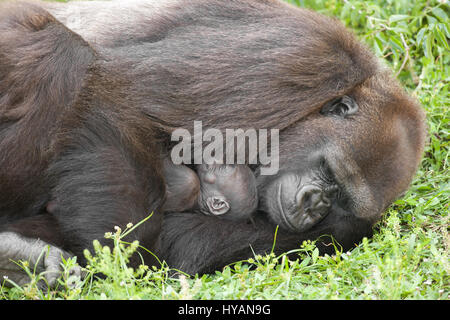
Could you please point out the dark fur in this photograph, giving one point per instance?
(69, 135)
(88, 127)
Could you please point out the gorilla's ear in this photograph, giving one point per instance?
(342, 107)
(42, 63)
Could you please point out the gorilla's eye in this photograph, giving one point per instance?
(341, 107)
(325, 174)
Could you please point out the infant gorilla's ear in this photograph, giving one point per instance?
(217, 205)
(228, 190)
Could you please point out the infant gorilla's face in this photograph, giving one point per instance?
(228, 190)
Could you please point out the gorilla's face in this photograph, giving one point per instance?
(299, 199)
(350, 158)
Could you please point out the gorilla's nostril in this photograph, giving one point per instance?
(315, 200)
(326, 200)
(312, 205)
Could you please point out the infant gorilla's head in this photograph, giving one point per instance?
(228, 191)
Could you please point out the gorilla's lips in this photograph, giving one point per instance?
(280, 208)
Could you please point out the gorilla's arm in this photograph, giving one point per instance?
(98, 190)
(196, 243)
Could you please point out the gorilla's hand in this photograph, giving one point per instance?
(42, 257)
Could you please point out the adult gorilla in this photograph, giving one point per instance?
(85, 121)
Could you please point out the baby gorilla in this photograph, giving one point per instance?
(222, 190)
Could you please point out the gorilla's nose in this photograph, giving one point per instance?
(315, 201)
(313, 204)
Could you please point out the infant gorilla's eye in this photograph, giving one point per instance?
(341, 107)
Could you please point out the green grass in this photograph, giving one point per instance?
(408, 257)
